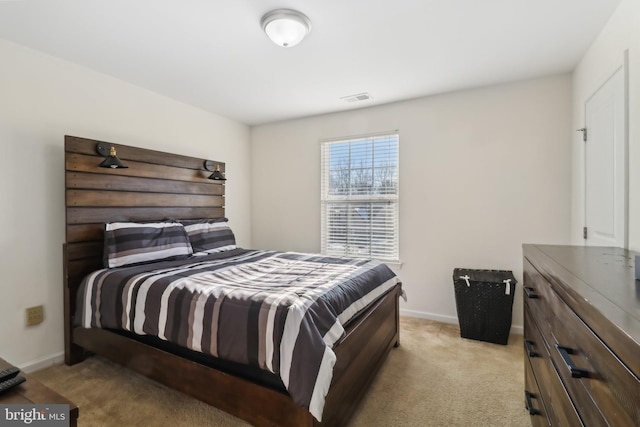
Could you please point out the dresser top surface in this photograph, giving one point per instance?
(604, 277)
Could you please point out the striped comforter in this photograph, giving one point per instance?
(281, 312)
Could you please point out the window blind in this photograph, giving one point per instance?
(359, 198)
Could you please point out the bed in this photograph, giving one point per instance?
(159, 186)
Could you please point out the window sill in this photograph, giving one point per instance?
(394, 265)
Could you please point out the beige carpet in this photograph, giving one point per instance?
(435, 378)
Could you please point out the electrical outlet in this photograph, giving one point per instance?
(35, 315)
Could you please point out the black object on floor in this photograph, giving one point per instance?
(484, 300)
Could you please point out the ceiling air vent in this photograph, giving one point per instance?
(357, 97)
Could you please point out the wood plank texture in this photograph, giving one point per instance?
(85, 232)
(84, 250)
(74, 144)
(77, 269)
(110, 214)
(91, 198)
(89, 164)
(110, 182)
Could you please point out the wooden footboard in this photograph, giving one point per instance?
(360, 356)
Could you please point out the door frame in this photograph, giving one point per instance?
(625, 70)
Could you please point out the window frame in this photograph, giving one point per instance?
(327, 199)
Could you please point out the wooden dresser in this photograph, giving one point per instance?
(581, 336)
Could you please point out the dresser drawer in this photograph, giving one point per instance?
(536, 353)
(591, 372)
(562, 412)
(537, 297)
(555, 399)
(533, 401)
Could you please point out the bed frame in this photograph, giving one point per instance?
(160, 186)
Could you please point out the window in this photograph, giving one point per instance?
(360, 197)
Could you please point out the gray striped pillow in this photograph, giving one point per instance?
(127, 243)
(210, 236)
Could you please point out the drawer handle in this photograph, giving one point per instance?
(528, 345)
(575, 371)
(528, 405)
(530, 292)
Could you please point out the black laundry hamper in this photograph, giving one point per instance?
(484, 300)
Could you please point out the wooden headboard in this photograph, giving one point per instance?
(155, 186)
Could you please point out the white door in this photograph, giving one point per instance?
(606, 164)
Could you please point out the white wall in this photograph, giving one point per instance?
(605, 55)
(41, 100)
(481, 172)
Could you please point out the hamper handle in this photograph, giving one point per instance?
(531, 294)
(528, 345)
(528, 404)
(566, 358)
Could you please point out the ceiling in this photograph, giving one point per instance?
(213, 54)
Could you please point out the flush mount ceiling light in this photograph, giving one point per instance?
(285, 27)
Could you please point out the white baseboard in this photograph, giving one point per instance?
(515, 329)
(43, 362)
(429, 316)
